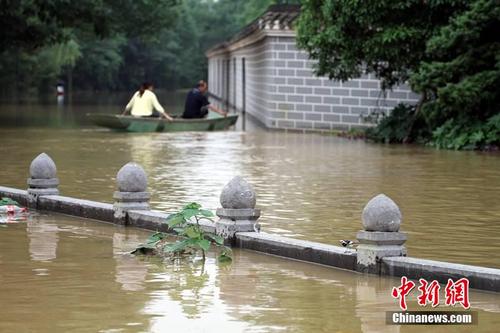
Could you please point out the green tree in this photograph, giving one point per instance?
(462, 76)
(252, 9)
(446, 49)
(99, 68)
(114, 44)
(30, 24)
(388, 37)
(41, 40)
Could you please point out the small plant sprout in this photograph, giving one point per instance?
(186, 223)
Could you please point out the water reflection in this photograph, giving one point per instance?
(258, 293)
(186, 160)
(370, 300)
(60, 101)
(188, 284)
(43, 239)
(188, 300)
(281, 295)
(80, 294)
(130, 271)
(146, 150)
(95, 286)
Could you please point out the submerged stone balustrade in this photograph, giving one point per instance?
(380, 237)
(238, 213)
(42, 180)
(381, 245)
(132, 183)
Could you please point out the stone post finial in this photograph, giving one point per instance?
(381, 214)
(132, 183)
(380, 237)
(238, 213)
(132, 178)
(43, 167)
(238, 194)
(276, 25)
(43, 180)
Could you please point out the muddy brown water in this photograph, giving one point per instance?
(309, 186)
(64, 274)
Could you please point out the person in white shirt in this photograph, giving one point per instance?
(144, 102)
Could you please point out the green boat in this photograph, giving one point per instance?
(137, 124)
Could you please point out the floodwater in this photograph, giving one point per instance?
(63, 274)
(309, 186)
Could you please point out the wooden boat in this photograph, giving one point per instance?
(138, 124)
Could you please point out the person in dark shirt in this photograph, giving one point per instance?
(197, 104)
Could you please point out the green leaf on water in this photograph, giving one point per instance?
(157, 236)
(204, 244)
(196, 238)
(223, 257)
(216, 238)
(144, 250)
(189, 213)
(149, 246)
(180, 231)
(192, 232)
(175, 219)
(178, 246)
(206, 213)
(226, 254)
(192, 205)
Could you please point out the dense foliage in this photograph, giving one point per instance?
(448, 50)
(395, 128)
(111, 44)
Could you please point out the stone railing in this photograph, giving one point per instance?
(380, 251)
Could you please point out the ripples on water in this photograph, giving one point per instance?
(62, 274)
(308, 186)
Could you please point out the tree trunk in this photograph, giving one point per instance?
(421, 101)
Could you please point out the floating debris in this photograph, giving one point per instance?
(11, 211)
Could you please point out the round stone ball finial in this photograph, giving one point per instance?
(381, 214)
(132, 178)
(43, 167)
(238, 194)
